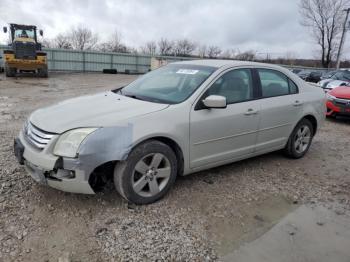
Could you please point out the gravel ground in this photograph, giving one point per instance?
(204, 217)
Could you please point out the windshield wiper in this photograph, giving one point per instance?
(133, 96)
(142, 98)
(118, 90)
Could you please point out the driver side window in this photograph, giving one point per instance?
(235, 85)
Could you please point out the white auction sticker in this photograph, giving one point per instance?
(187, 71)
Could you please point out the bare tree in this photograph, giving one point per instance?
(62, 41)
(114, 44)
(165, 46)
(184, 47)
(132, 50)
(290, 57)
(324, 17)
(104, 47)
(149, 48)
(47, 43)
(214, 51)
(202, 51)
(228, 53)
(82, 38)
(249, 55)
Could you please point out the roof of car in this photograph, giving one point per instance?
(220, 63)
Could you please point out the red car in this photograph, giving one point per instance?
(338, 101)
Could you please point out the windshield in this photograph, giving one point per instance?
(170, 84)
(26, 33)
(328, 74)
(345, 75)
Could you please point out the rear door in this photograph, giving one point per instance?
(229, 133)
(281, 108)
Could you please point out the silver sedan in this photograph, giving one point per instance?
(176, 120)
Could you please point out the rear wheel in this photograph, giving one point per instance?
(300, 140)
(147, 174)
(43, 72)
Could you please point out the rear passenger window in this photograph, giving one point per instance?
(273, 83)
(292, 87)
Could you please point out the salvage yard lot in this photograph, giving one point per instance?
(206, 216)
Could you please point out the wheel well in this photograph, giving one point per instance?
(177, 150)
(101, 175)
(104, 173)
(313, 121)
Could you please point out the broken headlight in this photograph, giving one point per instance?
(68, 143)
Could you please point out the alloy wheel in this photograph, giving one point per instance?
(151, 174)
(302, 139)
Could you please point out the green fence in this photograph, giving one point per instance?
(93, 61)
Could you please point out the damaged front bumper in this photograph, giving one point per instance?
(48, 169)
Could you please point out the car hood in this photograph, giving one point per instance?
(341, 92)
(331, 83)
(103, 109)
(324, 82)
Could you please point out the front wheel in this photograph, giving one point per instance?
(147, 174)
(300, 140)
(10, 71)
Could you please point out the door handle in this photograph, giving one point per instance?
(297, 103)
(251, 111)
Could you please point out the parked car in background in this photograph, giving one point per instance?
(310, 76)
(303, 74)
(179, 119)
(328, 75)
(338, 101)
(329, 85)
(340, 78)
(314, 77)
(296, 70)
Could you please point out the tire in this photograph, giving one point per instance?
(147, 174)
(43, 72)
(10, 71)
(300, 140)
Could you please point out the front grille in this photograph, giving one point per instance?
(342, 101)
(37, 137)
(25, 50)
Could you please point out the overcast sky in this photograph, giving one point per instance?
(263, 25)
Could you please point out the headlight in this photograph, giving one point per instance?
(68, 143)
(330, 97)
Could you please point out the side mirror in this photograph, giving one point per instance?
(41, 32)
(214, 101)
(5, 29)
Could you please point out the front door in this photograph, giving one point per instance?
(220, 135)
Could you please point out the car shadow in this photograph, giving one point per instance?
(339, 119)
(210, 175)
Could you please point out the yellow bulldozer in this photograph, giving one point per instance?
(24, 53)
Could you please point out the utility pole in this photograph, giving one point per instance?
(342, 37)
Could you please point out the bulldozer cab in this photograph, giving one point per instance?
(20, 32)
